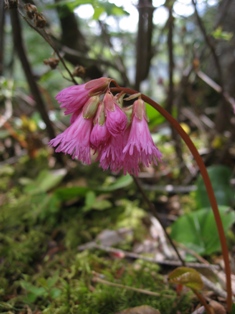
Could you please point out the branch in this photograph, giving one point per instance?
(18, 43)
(210, 44)
(217, 88)
(2, 23)
(144, 39)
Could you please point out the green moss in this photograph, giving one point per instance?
(42, 269)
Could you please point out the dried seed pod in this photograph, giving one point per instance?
(52, 62)
(39, 20)
(79, 71)
(31, 10)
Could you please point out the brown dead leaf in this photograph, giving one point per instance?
(143, 309)
(217, 307)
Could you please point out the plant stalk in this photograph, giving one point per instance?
(206, 180)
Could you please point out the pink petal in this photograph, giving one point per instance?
(99, 135)
(75, 140)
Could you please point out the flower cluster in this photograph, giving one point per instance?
(119, 136)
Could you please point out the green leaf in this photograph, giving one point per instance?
(220, 178)
(45, 181)
(97, 13)
(155, 118)
(186, 276)
(33, 292)
(119, 183)
(55, 293)
(90, 199)
(68, 193)
(218, 33)
(101, 204)
(197, 230)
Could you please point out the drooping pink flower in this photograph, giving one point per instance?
(116, 119)
(75, 140)
(99, 135)
(140, 148)
(110, 155)
(73, 98)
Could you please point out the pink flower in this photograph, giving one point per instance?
(99, 135)
(73, 98)
(110, 155)
(140, 148)
(75, 140)
(116, 119)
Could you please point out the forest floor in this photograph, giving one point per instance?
(83, 241)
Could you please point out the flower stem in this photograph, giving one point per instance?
(206, 180)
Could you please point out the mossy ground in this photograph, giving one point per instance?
(41, 268)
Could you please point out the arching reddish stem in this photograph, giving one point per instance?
(207, 183)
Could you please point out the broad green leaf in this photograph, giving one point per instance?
(155, 118)
(197, 230)
(90, 199)
(45, 181)
(119, 183)
(186, 276)
(92, 202)
(68, 193)
(101, 204)
(220, 178)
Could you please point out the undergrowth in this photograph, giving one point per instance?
(42, 270)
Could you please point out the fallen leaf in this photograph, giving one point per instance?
(143, 309)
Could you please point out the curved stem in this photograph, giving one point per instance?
(206, 180)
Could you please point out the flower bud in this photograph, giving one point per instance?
(139, 109)
(90, 107)
(98, 85)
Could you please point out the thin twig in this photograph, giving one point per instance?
(208, 284)
(150, 259)
(210, 44)
(117, 285)
(216, 87)
(48, 39)
(18, 42)
(171, 89)
(2, 23)
(154, 212)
